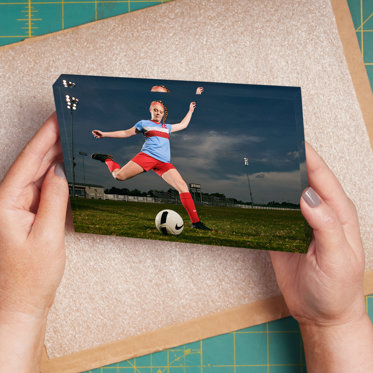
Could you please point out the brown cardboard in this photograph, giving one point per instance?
(355, 62)
(175, 335)
(220, 323)
(236, 318)
(247, 315)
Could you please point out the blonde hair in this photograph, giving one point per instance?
(164, 107)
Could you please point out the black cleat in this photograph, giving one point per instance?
(101, 157)
(200, 225)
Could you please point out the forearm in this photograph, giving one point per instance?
(116, 134)
(186, 120)
(21, 342)
(339, 349)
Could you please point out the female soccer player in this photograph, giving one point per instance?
(154, 155)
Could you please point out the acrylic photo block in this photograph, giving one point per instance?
(195, 162)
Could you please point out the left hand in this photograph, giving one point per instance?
(33, 203)
(324, 286)
(192, 106)
(199, 90)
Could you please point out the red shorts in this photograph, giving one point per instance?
(149, 163)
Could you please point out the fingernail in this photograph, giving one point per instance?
(59, 170)
(311, 198)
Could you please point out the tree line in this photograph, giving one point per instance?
(205, 196)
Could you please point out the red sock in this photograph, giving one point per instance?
(187, 201)
(111, 164)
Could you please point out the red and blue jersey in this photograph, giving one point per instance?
(157, 139)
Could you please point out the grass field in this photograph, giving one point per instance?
(249, 228)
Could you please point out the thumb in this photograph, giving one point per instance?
(51, 215)
(327, 230)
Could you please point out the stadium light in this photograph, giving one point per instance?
(67, 84)
(246, 160)
(71, 102)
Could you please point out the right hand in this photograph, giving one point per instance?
(97, 134)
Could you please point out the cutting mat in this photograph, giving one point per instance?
(362, 15)
(24, 19)
(274, 347)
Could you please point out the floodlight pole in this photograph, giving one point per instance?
(71, 104)
(72, 150)
(246, 160)
(83, 154)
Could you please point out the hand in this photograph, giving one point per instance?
(97, 134)
(192, 106)
(199, 90)
(324, 286)
(323, 289)
(33, 202)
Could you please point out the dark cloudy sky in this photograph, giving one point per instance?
(231, 121)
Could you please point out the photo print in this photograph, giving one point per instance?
(194, 162)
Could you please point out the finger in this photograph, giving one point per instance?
(49, 225)
(26, 166)
(327, 229)
(54, 155)
(326, 185)
(322, 180)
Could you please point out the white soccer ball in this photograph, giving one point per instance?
(169, 222)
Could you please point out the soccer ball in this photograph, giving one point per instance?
(169, 222)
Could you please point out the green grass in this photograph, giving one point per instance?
(249, 228)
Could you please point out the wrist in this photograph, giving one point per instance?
(17, 309)
(21, 340)
(330, 328)
(339, 347)
(15, 317)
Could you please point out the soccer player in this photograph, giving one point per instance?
(155, 154)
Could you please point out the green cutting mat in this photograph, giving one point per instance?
(24, 19)
(274, 347)
(362, 15)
